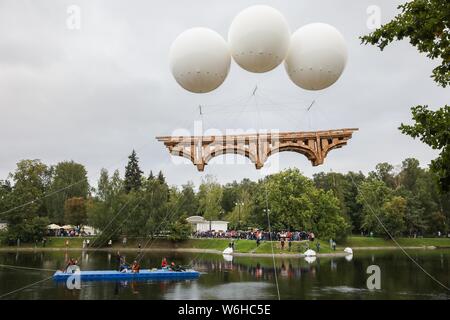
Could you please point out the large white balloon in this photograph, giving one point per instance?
(259, 38)
(317, 56)
(200, 60)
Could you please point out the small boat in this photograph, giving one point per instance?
(154, 274)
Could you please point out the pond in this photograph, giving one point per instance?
(238, 278)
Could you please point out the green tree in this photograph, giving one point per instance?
(75, 211)
(427, 25)
(180, 229)
(69, 180)
(432, 127)
(108, 210)
(210, 198)
(384, 172)
(161, 178)
(372, 196)
(133, 174)
(393, 217)
(5, 189)
(188, 202)
(296, 204)
(27, 214)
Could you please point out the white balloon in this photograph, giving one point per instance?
(317, 56)
(259, 38)
(200, 60)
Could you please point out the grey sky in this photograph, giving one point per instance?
(94, 94)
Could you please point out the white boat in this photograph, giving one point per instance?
(310, 253)
(228, 250)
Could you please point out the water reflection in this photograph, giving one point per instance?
(239, 277)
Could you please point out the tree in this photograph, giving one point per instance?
(5, 189)
(384, 172)
(345, 188)
(372, 196)
(161, 178)
(75, 211)
(432, 127)
(180, 229)
(394, 216)
(69, 180)
(133, 174)
(31, 181)
(210, 198)
(296, 204)
(107, 211)
(188, 202)
(427, 25)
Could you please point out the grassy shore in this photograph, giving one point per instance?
(246, 246)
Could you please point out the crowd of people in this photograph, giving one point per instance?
(257, 234)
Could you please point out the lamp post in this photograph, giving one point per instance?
(267, 212)
(239, 204)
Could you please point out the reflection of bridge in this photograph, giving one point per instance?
(257, 147)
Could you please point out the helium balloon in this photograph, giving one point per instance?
(259, 38)
(200, 60)
(317, 56)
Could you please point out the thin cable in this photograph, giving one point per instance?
(271, 242)
(25, 287)
(25, 268)
(395, 241)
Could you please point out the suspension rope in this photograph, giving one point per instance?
(394, 240)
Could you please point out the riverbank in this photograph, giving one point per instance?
(242, 247)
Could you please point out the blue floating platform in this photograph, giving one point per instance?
(143, 274)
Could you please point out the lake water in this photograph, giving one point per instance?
(241, 278)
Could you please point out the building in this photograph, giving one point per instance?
(3, 226)
(200, 224)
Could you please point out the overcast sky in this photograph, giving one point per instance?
(94, 94)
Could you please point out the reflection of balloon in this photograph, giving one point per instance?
(317, 56)
(199, 60)
(349, 257)
(259, 38)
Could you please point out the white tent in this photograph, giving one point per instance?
(67, 227)
(53, 227)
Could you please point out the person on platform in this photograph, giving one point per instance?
(135, 267)
(164, 263)
(71, 262)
